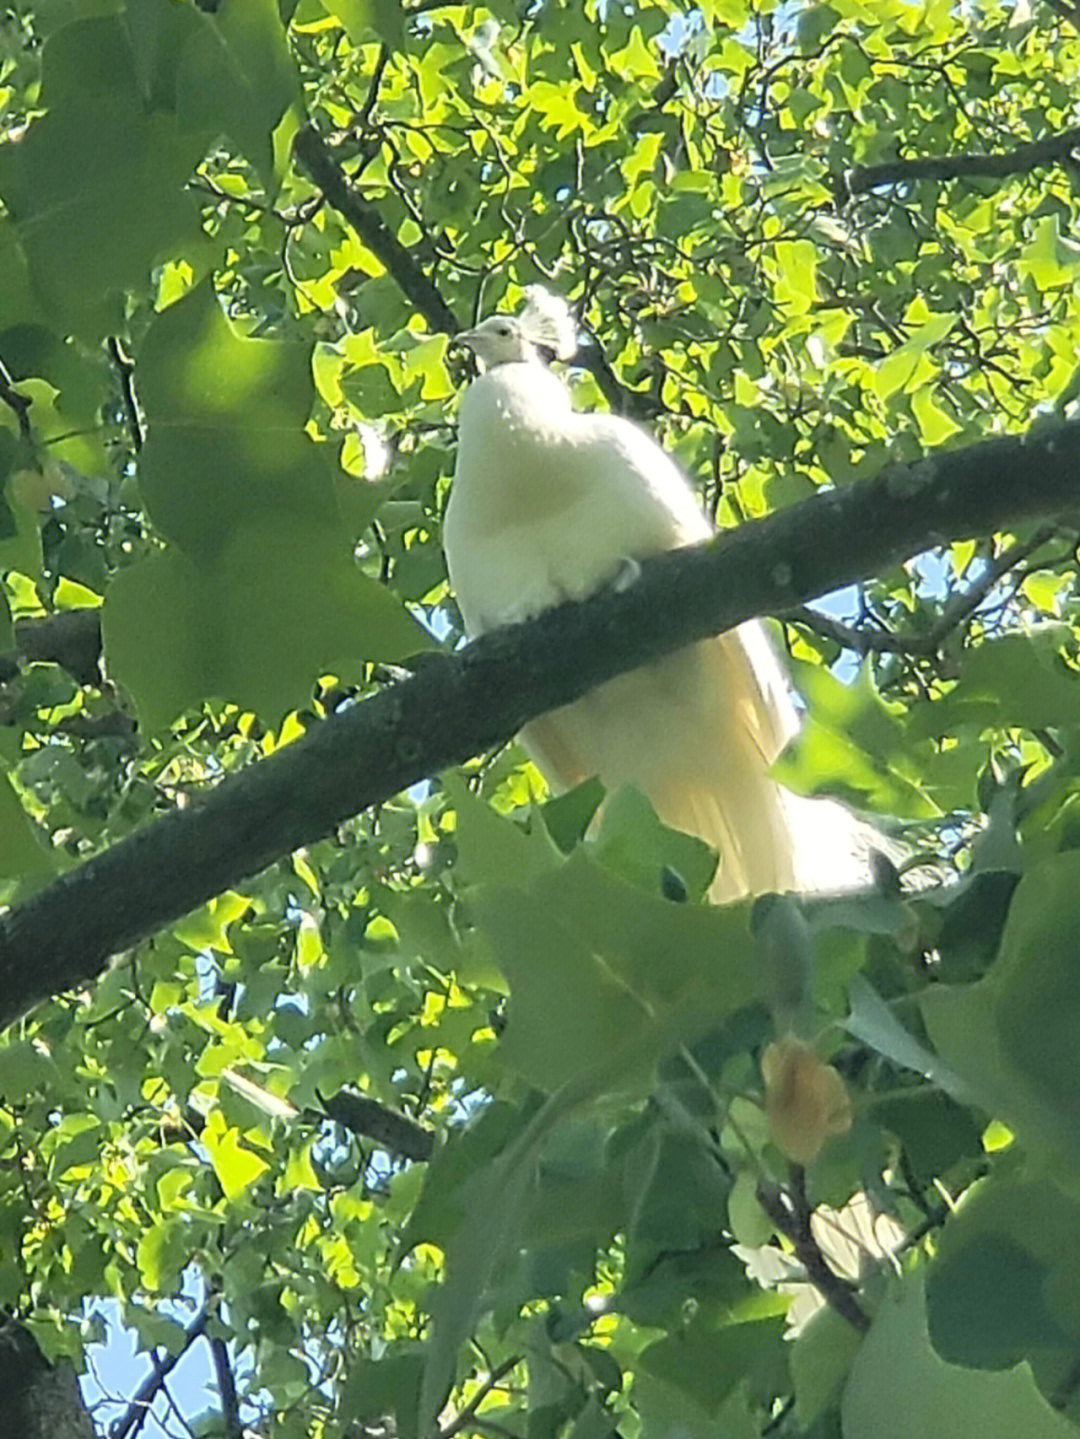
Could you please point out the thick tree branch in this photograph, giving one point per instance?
(314, 154)
(1048, 151)
(41, 1400)
(389, 1128)
(458, 705)
(71, 639)
(1068, 12)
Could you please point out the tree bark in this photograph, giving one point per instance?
(39, 1400)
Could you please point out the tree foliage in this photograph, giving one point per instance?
(466, 1118)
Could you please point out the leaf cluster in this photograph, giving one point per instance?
(455, 1122)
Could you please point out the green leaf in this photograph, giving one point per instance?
(605, 979)
(706, 1360)
(236, 1166)
(25, 1071)
(207, 927)
(850, 744)
(20, 532)
(567, 816)
(990, 1291)
(279, 605)
(370, 19)
(441, 1210)
(76, 1143)
(935, 1131)
(390, 1385)
(665, 1409)
(236, 74)
(961, 1022)
(1016, 679)
(929, 1399)
(674, 1214)
(87, 57)
(1050, 259)
(796, 285)
(635, 845)
(821, 1357)
(164, 1251)
(672, 955)
(226, 440)
(491, 847)
(22, 854)
(491, 1202)
(815, 23)
(18, 305)
(569, 1018)
(872, 1021)
(68, 187)
(1034, 981)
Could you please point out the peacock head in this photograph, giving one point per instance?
(545, 326)
(499, 340)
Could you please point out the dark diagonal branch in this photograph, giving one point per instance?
(372, 99)
(460, 704)
(1049, 151)
(622, 400)
(314, 154)
(1067, 11)
(389, 1128)
(138, 1410)
(790, 1211)
(467, 1414)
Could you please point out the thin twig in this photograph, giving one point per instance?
(125, 372)
(17, 403)
(138, 1410)
(790, 1211)
(226, 1383)
(468, 1413)
(363, 119)
(862, 642)
(317, 159)
(960, 608)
